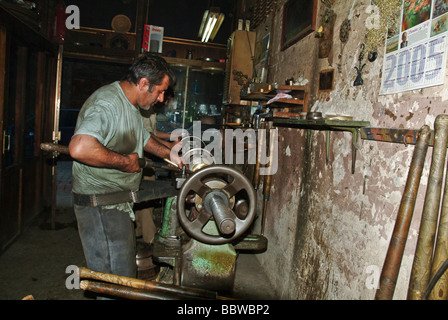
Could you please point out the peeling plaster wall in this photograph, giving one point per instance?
(329, 229)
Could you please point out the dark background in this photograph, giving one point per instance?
(180, 18)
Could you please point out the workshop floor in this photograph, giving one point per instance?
(35, 264)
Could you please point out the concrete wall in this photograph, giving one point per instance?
(329, 229)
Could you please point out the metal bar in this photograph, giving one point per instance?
(395, 135)
(127, 292)
(397, 244)
(421, 269)
(159, 288)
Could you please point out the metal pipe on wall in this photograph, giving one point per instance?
(397, 244)
(421, 269)
(440, 290)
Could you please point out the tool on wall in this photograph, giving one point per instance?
(326, 38)
(358, 81)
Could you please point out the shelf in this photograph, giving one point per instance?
(294, 101)
(327, 125)
(293, 88)
(291, 101)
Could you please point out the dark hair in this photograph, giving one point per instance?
(150, 66)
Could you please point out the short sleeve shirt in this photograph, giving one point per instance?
(108, 116)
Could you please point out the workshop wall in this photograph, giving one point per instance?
(329, 229)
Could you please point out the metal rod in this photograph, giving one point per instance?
(191, 293)
(267, 178)
(421, 269)
(261, 138)
(397, 244)
(440, 290)
(143, 162)
(127, 292)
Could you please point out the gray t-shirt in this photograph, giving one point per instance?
(150, 120)
(108, 116)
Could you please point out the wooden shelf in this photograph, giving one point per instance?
(291, 101)
(294, 102)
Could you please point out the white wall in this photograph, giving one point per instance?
(325, 225)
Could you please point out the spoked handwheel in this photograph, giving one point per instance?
(214, 189)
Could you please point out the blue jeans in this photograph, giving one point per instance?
(108, 240)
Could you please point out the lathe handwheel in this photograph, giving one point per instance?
(239, 184)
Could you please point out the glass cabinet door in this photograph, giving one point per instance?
(198, 95)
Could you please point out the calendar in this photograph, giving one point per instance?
(415, 51)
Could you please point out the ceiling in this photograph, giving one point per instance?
(180, 18)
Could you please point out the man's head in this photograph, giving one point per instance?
(169, 93)
(152, 76)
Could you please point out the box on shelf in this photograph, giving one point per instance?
(152, 38)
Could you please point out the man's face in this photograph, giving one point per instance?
(146, 99)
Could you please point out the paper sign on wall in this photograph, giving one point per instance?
(415, 53)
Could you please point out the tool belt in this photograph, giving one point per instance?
(96, 200)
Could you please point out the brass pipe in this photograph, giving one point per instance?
(191, 293)
(126, 292)
(440, 290)
(421, 268)
(268, 177)
(397, 244)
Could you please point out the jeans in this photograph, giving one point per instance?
(108, 240)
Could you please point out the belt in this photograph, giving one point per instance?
(149, 190)
(96, 200)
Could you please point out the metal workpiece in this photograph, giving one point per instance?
(421, 269)
(131, 288)
(399, 237)
(218, 204)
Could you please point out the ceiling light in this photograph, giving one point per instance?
(211, 22)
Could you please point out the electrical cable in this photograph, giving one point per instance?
(434, 279)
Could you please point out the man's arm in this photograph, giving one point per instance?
(163, 135)
(160, 150)
(88, 150)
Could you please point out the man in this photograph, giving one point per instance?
(144, 218)
(109, 139)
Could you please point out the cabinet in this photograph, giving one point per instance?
(27, 82)
(198, 95)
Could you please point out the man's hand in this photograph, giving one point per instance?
(132, 164)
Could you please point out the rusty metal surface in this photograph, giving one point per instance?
(394, 135)
(399, 237)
